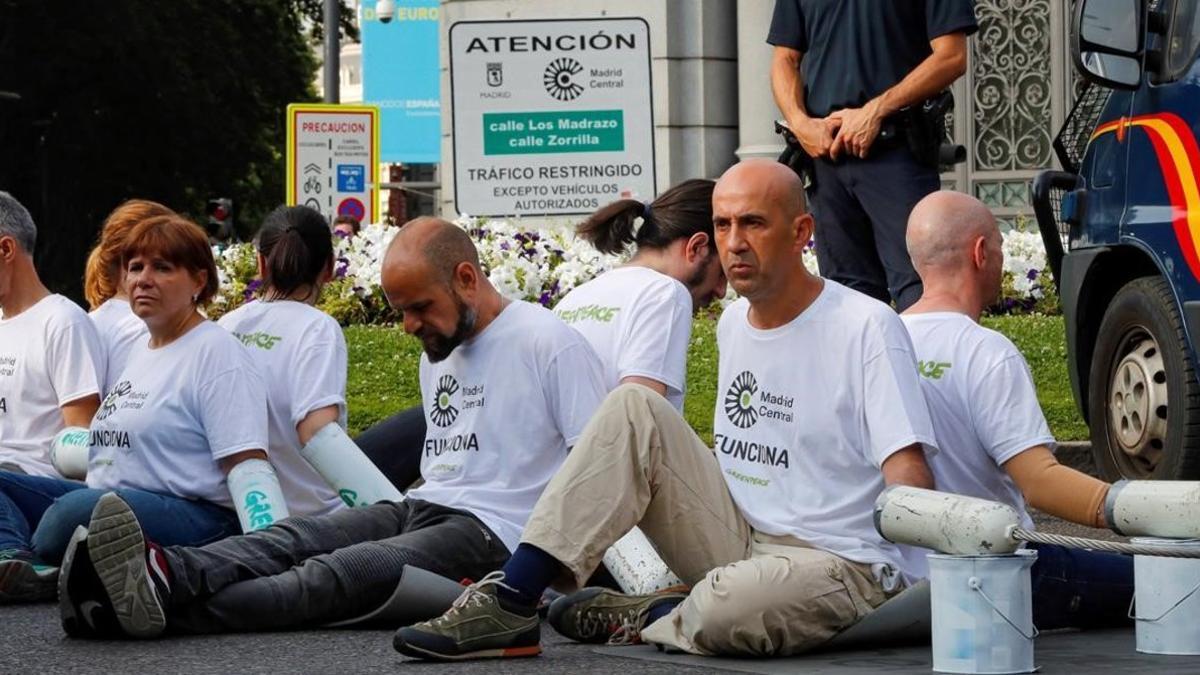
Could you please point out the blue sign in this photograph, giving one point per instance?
(350, 177)
(402, 76)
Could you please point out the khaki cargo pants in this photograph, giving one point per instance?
(639, 463)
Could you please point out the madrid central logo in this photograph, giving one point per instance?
(739, 400)
(109, 406)
(443, 411)
(559, 79)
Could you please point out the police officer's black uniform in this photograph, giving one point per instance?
(855, 50)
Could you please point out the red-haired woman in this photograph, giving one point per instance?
(104, 287)
(181, 437)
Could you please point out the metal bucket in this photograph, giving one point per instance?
(982, 613)
(1166, 601)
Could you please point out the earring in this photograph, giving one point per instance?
(195, 298)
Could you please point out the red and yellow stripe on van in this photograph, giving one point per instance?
(1179, 160)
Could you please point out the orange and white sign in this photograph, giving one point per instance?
(333, 159)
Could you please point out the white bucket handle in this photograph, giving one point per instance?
(1133, 615)
(976, 585)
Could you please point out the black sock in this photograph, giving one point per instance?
(660, 610)
(528, 572)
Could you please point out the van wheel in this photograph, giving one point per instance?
(1143, 400)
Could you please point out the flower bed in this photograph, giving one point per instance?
(544, 265)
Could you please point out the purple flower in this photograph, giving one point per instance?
(544, 299)
(340, 271)
(251, 289)
(1032, 275)
(504, 246)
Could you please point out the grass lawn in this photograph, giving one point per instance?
(383, 373)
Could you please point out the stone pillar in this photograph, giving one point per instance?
(694, 56)
(756, 106)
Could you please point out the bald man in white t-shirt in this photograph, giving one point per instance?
(820, 407)
(993, 438)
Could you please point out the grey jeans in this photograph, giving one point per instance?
(311, 571)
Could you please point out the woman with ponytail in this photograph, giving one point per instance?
(104, 286)
(300, 351)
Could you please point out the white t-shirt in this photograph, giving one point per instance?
(302, 355)
(639, 322)
(119, 329)
(501, 412)
(177, 410)
(808, 412)
(983, 404)
(48, 356)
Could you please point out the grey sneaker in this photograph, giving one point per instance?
(601, 615)
(24, 579)
(480, 625)
(133, 574)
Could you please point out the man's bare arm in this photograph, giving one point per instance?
(655, 385)
(79, 413)
(1056, 489)
(907, 466)
(815, 134)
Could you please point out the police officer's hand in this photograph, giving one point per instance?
(860, 127)
(815, 134)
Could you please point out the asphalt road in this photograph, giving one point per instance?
(32, 642)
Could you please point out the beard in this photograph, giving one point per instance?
(438, 346)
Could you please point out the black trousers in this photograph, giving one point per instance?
(311, 571)
(861, 207)
(395, 445)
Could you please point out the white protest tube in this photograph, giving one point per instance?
(1168, 509)
(946, 522)
(69, 452)
(257, 497)
(636, 566)
(347, 470)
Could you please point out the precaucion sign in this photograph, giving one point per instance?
(333, 159)
(550, 117)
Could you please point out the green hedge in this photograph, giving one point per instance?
(1042, 339)
(383, 372)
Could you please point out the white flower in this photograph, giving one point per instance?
(542, 265)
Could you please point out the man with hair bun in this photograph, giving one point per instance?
(48, 383)
(487, 361)
(638, 317)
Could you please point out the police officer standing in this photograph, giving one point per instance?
(851, 77)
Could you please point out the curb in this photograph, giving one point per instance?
(1077, 455)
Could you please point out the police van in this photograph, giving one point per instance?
(1121, 224)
